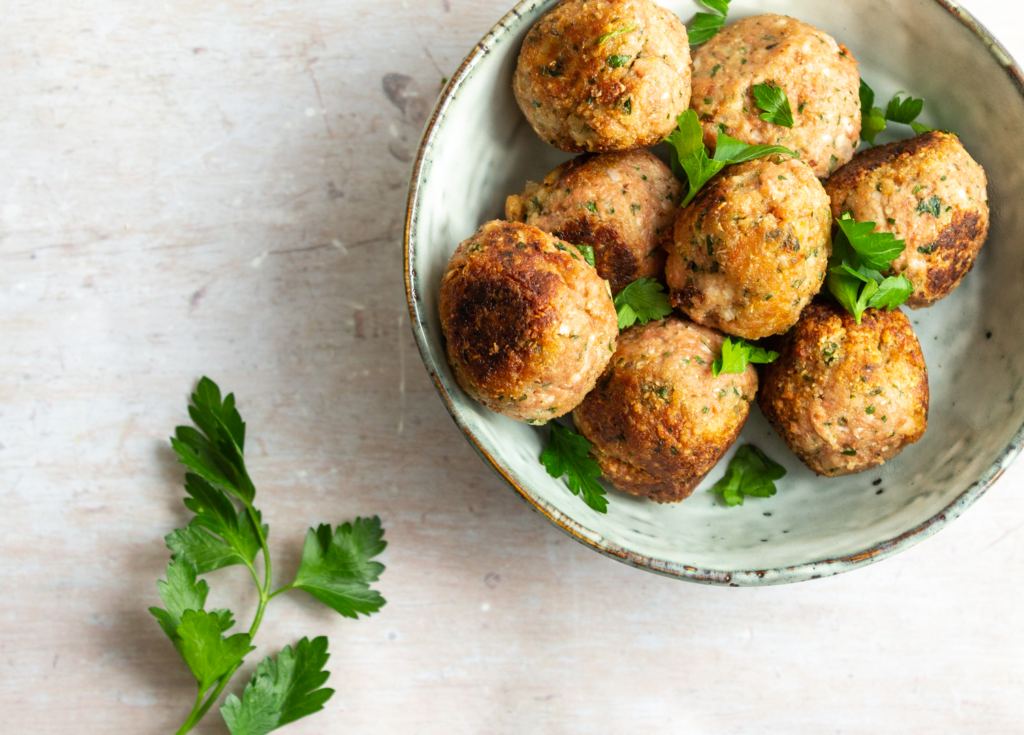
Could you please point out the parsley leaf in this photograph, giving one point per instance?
(932, 206)
(751, 472)
(854, 277)
(892, 292)
(617, 61)
(690, 159)
(775, 103)
(215, 451)
(218, 536)
(281, 691)
(898, 110)
(336, 568)
(904, 112)
(876, 249)
(872, 118)
(587, 251)
(642, 301)
(737, 355)
(206, 651)
(706, 25)
(617, 32)
(567, 453)
(182, 592)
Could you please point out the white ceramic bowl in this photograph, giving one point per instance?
(478, 148)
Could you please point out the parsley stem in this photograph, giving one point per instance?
(195, 715)
(201, 708)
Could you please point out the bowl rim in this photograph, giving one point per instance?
(824, 567)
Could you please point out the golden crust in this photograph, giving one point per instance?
(847, 397)
(900, 186)
(658, 419)
(578, 99)
(750, 251)
(529, 324)
(621, 204)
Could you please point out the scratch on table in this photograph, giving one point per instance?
(320, 97)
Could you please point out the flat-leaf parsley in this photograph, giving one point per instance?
(642, 301)
(567, 453)
(736, 355)
(336, 568)
(690, 159)
(751, 472)
(775, 103)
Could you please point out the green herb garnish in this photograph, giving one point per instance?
(932, 205)
(751, 472)
(737, 355)
(873, 119)
(617, 61)
(642, 301)
(336, 568)
(690, 159)
(587, 251)
(706, 25)
(775, 103)
(854, 270)
(567, 453)
(618, 32)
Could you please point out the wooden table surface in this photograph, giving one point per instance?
(199, 188)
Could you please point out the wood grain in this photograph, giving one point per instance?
(199, 188)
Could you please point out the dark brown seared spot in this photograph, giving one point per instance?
(683, 298)
(954, 253)
(497, 322)
(849, 176)
(615, 261)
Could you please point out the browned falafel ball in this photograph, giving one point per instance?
(621, 204)
(927, 191)
(750, 251)
(847, 397)
(658, 419)
(529, 324)
(604, 75)
(819, 76)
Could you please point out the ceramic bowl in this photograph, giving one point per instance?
(478, 148)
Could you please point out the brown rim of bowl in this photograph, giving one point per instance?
(798, 573)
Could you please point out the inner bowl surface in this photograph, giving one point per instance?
(478, 148)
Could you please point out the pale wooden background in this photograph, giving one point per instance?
(193, 187)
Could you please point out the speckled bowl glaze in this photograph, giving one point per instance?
(478, 148)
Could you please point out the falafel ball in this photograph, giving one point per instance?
(818, 75)
(927, 191)
(604, 75)
(750, 251)
(528, 322)
(621, 204)
(847, 397)
(658, 419)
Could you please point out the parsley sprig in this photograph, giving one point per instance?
(874, 120)
(736, 355)
(567, 453)
(750, 472)
(773, 100)
(690, 158)
(706, 25)
(336, 568)
(642, 301)
(854, 271)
